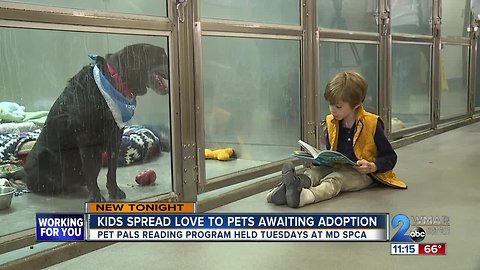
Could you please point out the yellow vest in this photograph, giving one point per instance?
(364, 145)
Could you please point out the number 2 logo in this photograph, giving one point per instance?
(400, 235)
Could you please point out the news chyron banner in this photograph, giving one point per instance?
(179, 222)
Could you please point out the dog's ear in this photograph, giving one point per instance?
(134, 57)
(129, 61)
(135, 63)
(113, 59)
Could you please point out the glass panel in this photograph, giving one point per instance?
(455, 17)
(36, 67)
(252, 100)
(410, 85)
(453, 81)
(277, 12)
(411, 16)
(348, 15)
(140, 7)
(336, 57)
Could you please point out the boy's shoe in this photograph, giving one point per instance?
(277, 195)
(293, 184)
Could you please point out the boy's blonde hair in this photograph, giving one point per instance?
(347, 86)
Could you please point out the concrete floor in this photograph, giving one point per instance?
(443, 177)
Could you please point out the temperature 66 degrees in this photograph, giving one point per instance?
(433, 249)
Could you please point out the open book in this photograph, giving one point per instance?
(325, 157)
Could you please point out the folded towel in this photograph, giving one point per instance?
(11, 112)
(17, 127)
(38, 118)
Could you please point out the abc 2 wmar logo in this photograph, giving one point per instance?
(416, 234)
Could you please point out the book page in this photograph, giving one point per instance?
(314, 151)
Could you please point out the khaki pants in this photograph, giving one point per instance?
(328, 182)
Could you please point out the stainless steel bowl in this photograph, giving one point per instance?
(6, 195)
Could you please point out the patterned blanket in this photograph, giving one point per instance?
(10, 144)
(138, 144)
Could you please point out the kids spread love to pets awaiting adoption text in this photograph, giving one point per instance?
(351, 131)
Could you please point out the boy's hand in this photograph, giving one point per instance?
(365, 167)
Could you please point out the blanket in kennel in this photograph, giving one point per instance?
(138, 144)
(10, 144)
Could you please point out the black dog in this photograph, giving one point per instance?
(86, 120)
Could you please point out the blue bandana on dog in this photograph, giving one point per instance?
(121, 107)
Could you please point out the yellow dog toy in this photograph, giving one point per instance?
(222, 154)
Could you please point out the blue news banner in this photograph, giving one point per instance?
(212, 227)
(60, 227)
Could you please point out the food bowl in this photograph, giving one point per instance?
(6, 195)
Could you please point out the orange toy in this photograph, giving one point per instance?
(222, 154)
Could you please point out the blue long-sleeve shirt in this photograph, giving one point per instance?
(386, 159)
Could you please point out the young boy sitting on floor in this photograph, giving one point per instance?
(351, 131)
